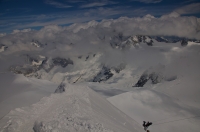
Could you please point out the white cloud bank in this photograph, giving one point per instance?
(94, 37)
(171, 25)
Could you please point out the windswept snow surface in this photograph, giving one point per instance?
(18, 91)
(79, 109)
(172, 106)
(167, 114)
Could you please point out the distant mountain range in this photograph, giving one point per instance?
(46, 67)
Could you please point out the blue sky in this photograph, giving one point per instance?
(21, 14)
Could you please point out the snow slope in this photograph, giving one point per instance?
(166, 113)
(78, 109)
(173, 105)
(18, 91)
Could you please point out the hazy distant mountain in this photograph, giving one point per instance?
(45, 67)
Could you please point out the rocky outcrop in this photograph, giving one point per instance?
(142, 81)
(36, 43)
(37, 61)
(117, 40)
(25, 70)
(103, 75)
(161, 39)
(60, 88)
(167, 39)
(154, 75)
(125, 42)
(141, 38)
(184, 42)
(62, 62)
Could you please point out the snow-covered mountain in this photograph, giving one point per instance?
(125, 42)
(75, 69)
(77, 109)
(141, 75)
(36, 43)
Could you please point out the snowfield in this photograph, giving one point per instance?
(77, 109)
(166, 113)
(18, 91)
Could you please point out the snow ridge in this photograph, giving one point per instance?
(77, 109)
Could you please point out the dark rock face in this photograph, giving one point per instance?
(142, 38)
(103, 75)
(167, 39)
(62, 62)
(87, 58)
(3, 47)
(30, 60)
(60, 88)
(36, 43)
(33, 64)
(143, 79)
(38, 127)
(150, 43)
(125, 42)
(197, 41)
(153, 76)
(174, 39)
(161, 39)
(116, 41)
(184, 42)
(26, 70)
(145, 39)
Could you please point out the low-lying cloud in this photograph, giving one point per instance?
(93, 37)
(168, 25)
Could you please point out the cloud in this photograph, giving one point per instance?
(57, 4)
(2, 34)
(94, 37)
(172, 14)
(97, 4)
(23, 31)
(63, 18)
(8, 24)
(148, 1)
(149, 25)
(170, 25)
(189, 9)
